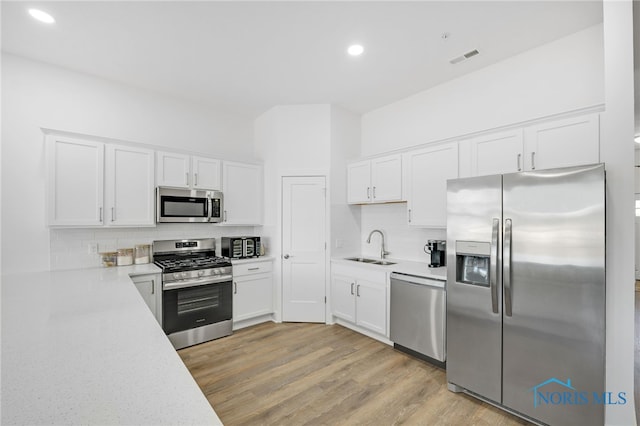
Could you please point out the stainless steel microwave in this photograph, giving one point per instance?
(179, 205)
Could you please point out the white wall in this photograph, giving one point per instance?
(561, 76)
(345, 219)
(37, 95)
(617, 152)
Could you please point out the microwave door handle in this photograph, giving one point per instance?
(209, 209)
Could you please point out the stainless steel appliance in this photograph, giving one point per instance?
(526, 292)
(197, 299)
(240, 247)
(436, 249)
(417, 317)
(180, 205)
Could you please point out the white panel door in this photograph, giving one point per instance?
(429, 169)
(562, 143)
(76, 182)
(343, 292)
(303, 249)
(497, 153)
(359, 182)
(386, 178)
(129, 186)
(206, 173)
(371, 306)
(172, 169)
(242, 191)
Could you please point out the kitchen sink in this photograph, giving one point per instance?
(361, 259)
(371, 261)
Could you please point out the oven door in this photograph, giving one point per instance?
(182, 205)
(190, 307)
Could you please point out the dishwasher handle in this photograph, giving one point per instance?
(413, 279)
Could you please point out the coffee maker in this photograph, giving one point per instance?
(438, 251)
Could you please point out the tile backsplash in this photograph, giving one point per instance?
(70, 247)
(401, 241)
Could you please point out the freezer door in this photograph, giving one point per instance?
(474, 314)
(554, 294)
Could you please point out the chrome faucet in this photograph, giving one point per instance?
(383, 253)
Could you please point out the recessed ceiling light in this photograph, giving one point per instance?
(41, 16)
(355, 50)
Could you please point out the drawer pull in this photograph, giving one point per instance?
(253, 269)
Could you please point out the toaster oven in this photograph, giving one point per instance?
(240, 247)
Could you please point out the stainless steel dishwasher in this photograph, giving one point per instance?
(417, 318)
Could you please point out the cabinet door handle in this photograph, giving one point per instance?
(368, 193)
(153, 286)
(195, 175)
(235, 287)
(519, 158)
(358, 290)
(409, 215)
(113, 214)
(533, 160)
(186, 178)
(100, 212)
(224, 216)
(374, 192)
(352, 284)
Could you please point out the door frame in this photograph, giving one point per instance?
(327, 233)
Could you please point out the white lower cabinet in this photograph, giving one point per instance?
(359, 296)
(252, 290)
(150, 288)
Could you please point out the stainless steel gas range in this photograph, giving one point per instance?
(197, 299)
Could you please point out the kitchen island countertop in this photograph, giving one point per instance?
(82, 347)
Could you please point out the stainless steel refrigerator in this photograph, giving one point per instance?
(526, 292)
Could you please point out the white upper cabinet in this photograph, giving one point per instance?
(562, 143)
(497, 153)
(375, 181)
(76, 181)
(206, 173)
(359, 182)
(89, 188)
(173, 169)
(429, 170)
(185, 171)
(242, 191)
(129, 186)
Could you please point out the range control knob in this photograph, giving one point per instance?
(200, 273)
(184, 275)
(176, 275)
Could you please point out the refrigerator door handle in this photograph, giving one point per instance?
(506, 276)
(493, 265)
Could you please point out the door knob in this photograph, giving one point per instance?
(286, 256)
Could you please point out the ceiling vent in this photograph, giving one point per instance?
(465, 56)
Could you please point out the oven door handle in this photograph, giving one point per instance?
(195, 283)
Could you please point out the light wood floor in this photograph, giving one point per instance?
(316, 374)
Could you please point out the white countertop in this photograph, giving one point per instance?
(418, 269)
(82, 347)
(252, 260)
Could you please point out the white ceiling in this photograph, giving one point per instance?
(245, 57)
